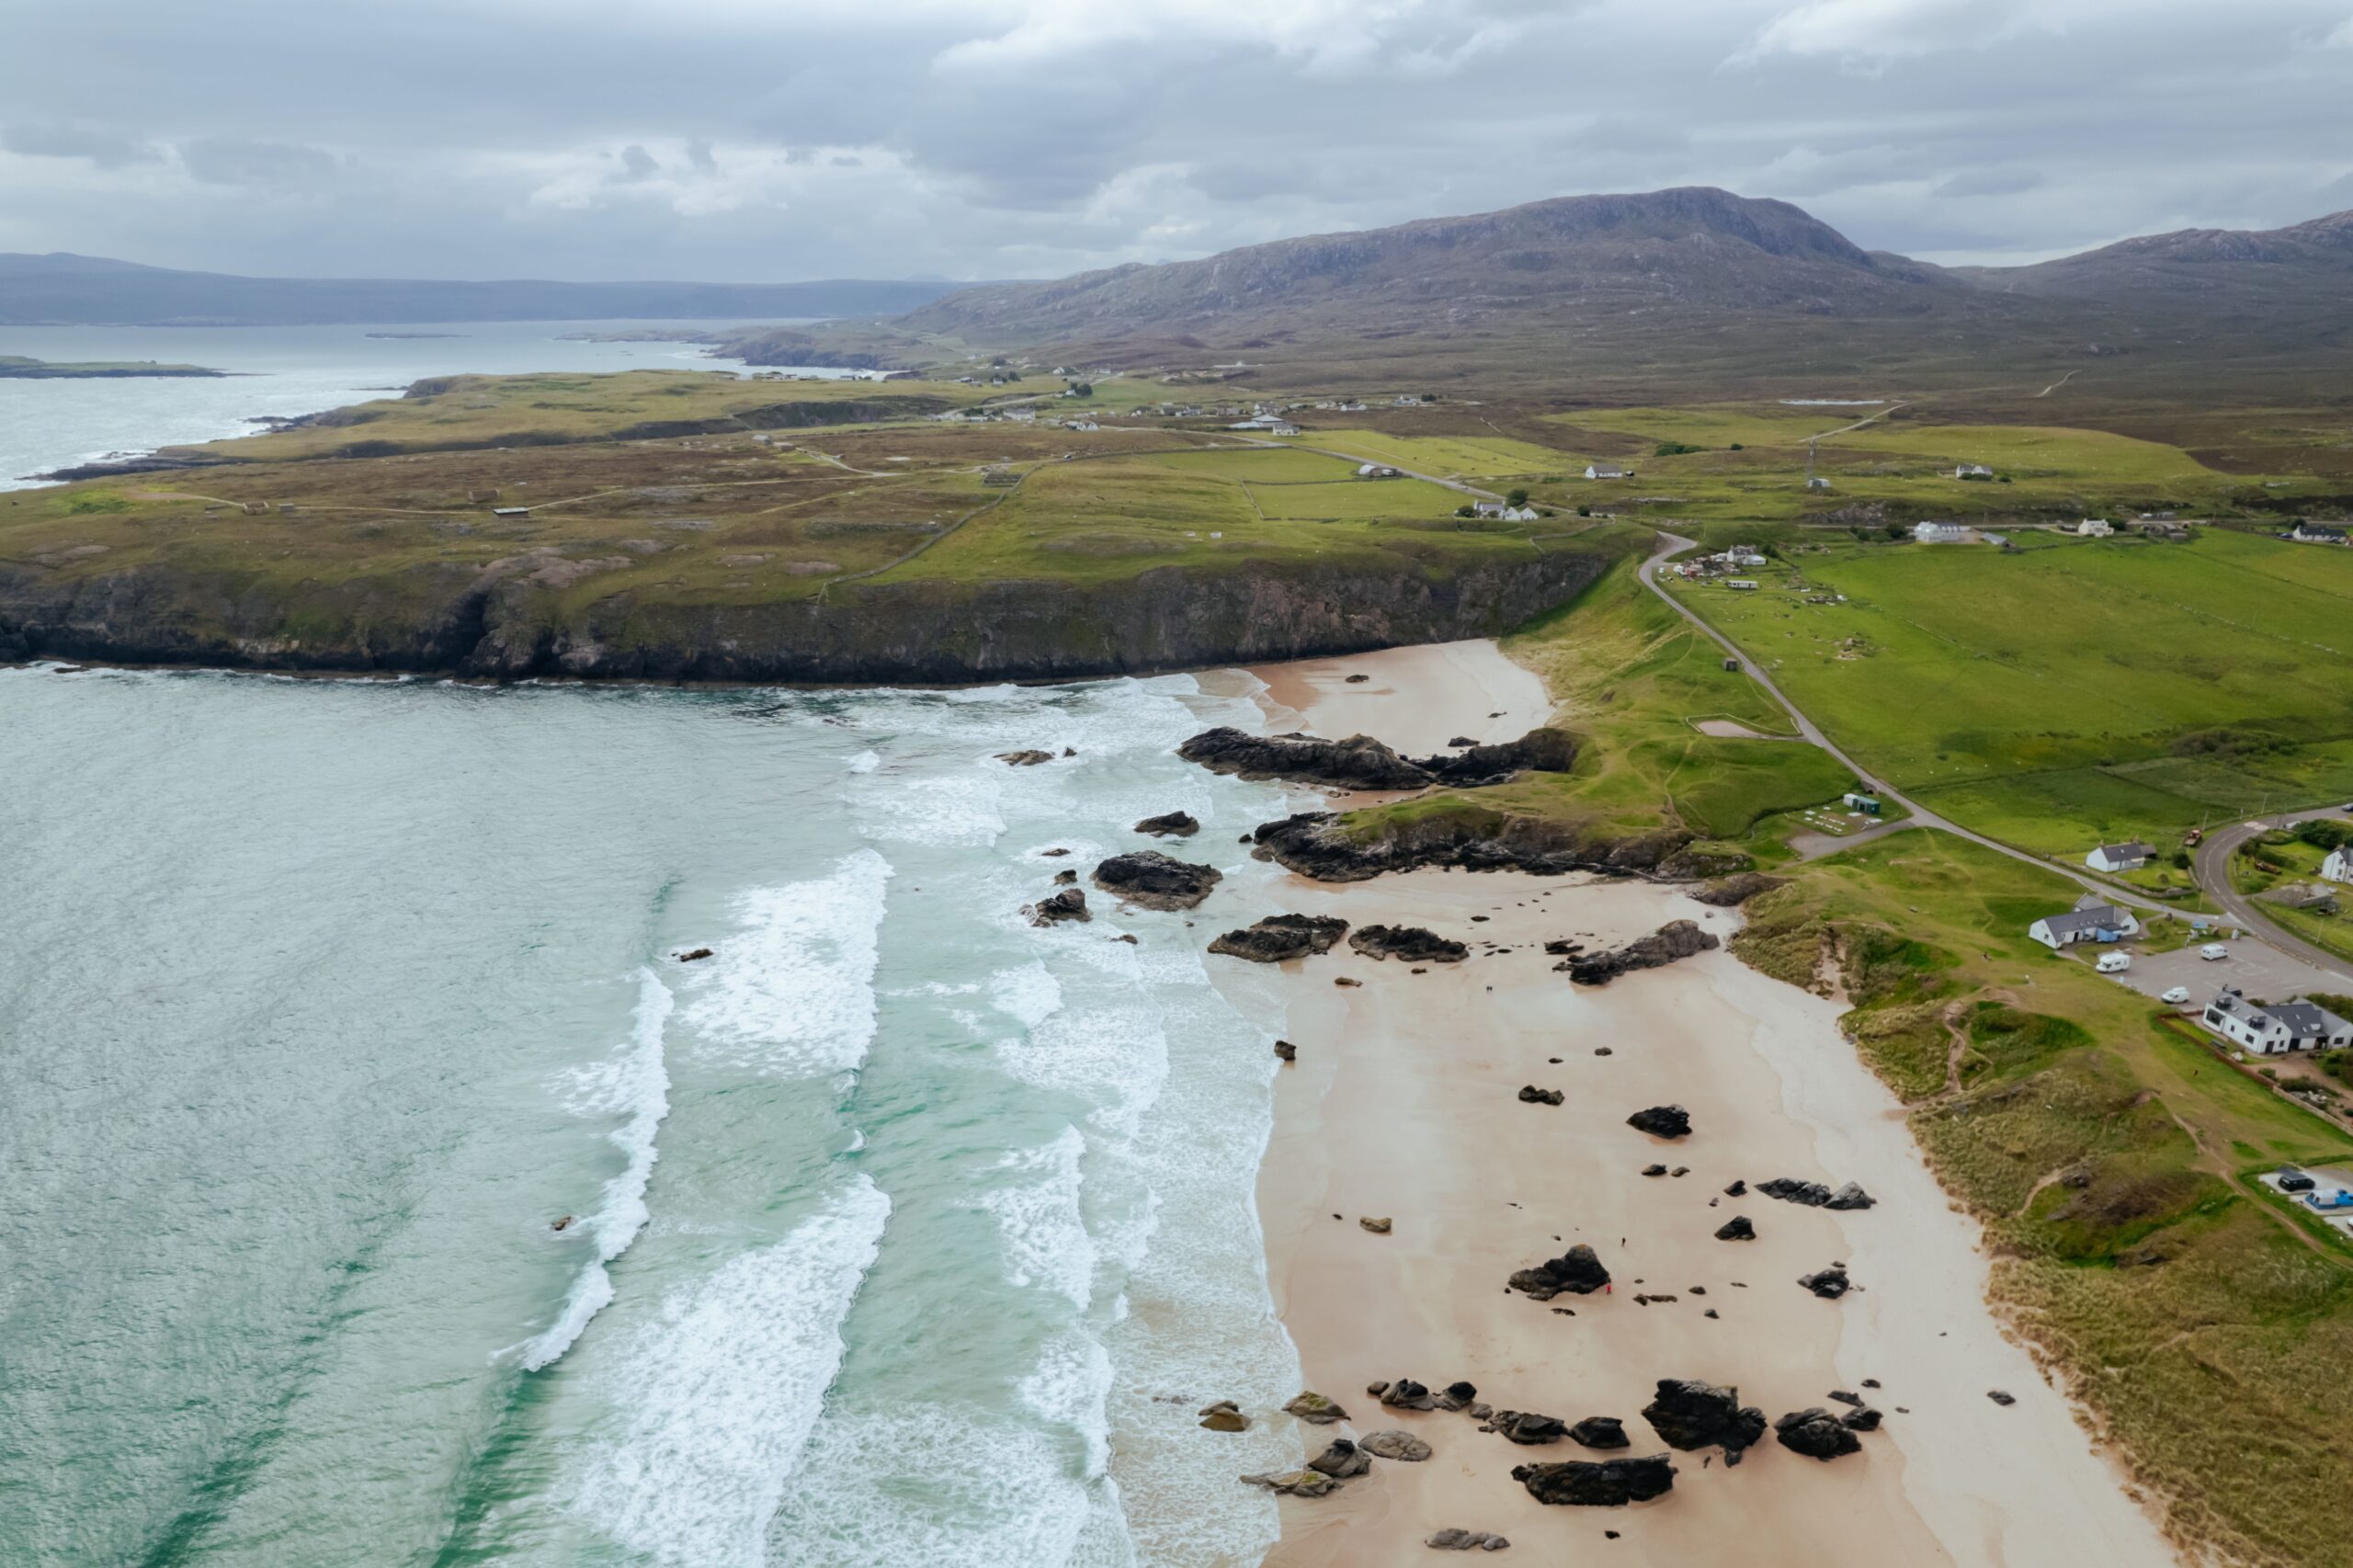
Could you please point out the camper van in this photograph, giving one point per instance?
(2213, 950)
(2114, 963)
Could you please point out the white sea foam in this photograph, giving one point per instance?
(634, 1084)
(864, 762)
(936, 1485)
(718, 1393)
(1069, 1386)
(1029, 993)
(1046, 1240)
(792, 991)
(949, 809)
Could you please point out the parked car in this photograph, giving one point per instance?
(2176, 996)
(2293, 1180)
(2213, 950)
(2114, 963)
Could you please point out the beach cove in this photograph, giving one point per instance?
(1402, 1105)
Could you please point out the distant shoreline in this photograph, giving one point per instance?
(21, 368)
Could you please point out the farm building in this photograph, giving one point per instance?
(510, 511)
(1855, 800)
(1940, 533)
(2095, 527)
(2301, 1024)
(2096, 923)
(2128, 856)
(1972, 470)
(1520, 514)
(2317, 533)
(1606, 471)
(1745, 585)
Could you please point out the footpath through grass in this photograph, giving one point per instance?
(2111, 1154)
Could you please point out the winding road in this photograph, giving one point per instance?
(1920, 815)
(2213, 869)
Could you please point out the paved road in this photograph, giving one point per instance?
(1921, 816)
(2213, 869)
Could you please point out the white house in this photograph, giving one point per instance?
(2338, 865)
(2128, 856)
(1972, 470)
(2095, 527)
(1745, 585)
(1940, 533)
(2096, 923)
(2300, 1025)
(1487, 509)
(2317, 533)
(1606, 471)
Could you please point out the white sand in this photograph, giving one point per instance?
(1403, 1105)
(1415, 698)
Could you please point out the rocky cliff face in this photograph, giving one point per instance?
(452, 620)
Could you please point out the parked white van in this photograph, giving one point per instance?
(2114, 963)
(2213, 950)
(2176, 996)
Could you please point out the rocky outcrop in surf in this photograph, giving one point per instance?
(1156, 880)
(1280, 937)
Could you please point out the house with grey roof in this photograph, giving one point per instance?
(1606, 471)
(2127, 856)
(2276, 1028)
(2092, 923)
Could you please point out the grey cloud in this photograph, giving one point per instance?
(225, 160)
(1989, 182)
(107, 149)
(505, 139)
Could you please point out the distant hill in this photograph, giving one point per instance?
(1669, 287)
(62, 289)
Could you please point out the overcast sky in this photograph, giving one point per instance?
(774, 139)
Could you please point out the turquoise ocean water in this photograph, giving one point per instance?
(903, 1233)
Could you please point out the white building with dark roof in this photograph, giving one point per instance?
(2128, 856)
(2276, 1029)
(2093, 923)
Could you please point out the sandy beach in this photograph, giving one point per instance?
(1402, 1105)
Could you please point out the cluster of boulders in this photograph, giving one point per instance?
(1466, 1541)
(1676, 940)
(1688, 1414)
(1598, 1484)
(1576, 1272)
(1404, 1393)
(1815, 1195)
(1280, 937)
(1156, 880)
(1411, 943)
(1531, 1095)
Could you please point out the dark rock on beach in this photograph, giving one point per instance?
(1863, 1419)
(1676, 940)
(1827, 1283)
(1155, 881)
(1576, 1272)
(1279, 937)
(1815, 1433)
(1287, 1050)
(1661, 1122)
(1688, 1414)
(1600, 1431)
(1068, 904)
(1175, 824)
(1224, 1417)
(1340, 1461)
(1528, 1428)
(1411, 943)
(1321, 845)
(1737, 1229)
(1534, 1095)
(1598, 1484)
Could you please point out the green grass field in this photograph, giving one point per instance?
(1356, 498)
(1448, 457)
(2058, 696)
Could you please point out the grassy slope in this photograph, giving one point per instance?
(1630, 675)
(2110, 1156)
(2056, 697)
